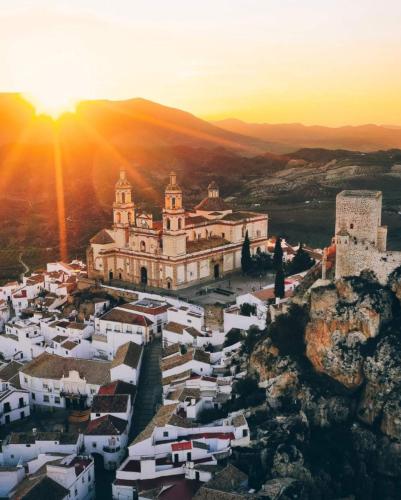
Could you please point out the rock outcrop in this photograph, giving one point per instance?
(343, 317)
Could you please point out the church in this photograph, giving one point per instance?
(185, 248)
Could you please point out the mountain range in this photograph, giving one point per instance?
(79, 157)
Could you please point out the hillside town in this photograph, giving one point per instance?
(119, 388)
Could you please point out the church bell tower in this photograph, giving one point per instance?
(174, 236)
(123, 206)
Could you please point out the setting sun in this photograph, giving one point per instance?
(53, 104)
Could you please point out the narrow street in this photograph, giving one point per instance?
(149, 394)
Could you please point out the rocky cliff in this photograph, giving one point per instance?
(331, 423)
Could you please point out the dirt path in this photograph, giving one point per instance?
(26, 268)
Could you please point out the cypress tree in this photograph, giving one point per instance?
(278, 254)
(279, 286)
(301, 261)
(246, 259)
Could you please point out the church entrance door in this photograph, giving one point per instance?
(216, 271)
(144, 276)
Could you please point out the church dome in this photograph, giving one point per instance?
(212, 205)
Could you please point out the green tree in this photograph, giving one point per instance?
(232, 337)
(287, 332)
(246, 259)
(301, 261)
(278, 254)
(279, 286)
(247, 309)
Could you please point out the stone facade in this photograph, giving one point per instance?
(183, 249)
(360, 239)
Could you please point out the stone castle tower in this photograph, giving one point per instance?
(360, 238)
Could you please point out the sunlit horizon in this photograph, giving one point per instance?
(265, 62)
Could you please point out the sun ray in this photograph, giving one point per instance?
(118, 158)
(59, 182)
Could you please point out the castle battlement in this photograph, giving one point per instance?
(360, 239)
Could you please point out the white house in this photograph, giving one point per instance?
(178, 333)
(20, 301)
(126, 364)
(9, 372)
(194, 361)
(170, 443)
(187, 314)
(108, 437)
(70, 329)
(22, 339)
(120, 326)
(64, 346)
(9, 478)
(117, 405)
(14, 403)
(4, 313)
(67, 477)
(8, 289)
(34, 285)
(63, 382)
(154, 310)
(21, 447)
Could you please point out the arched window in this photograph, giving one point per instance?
(179, 223)
(122, 197)
(168, 224)
(173, 202)
(143, 246)
(243, 231)
(118, 218)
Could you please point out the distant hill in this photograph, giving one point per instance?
(84, 151)
(293, 136)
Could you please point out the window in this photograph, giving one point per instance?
(46, 398)
(7, 407)
(179, 223)
(25, 380)
(168, 224)
(165, 434)
(244, 432)
(173, 202)
(98, 414)
(94, 445)
(57, 400)
(143, 246)
(351, 226)
(33, 396)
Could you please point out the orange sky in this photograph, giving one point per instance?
(331, 63)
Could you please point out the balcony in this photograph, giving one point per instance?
(111, 449)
